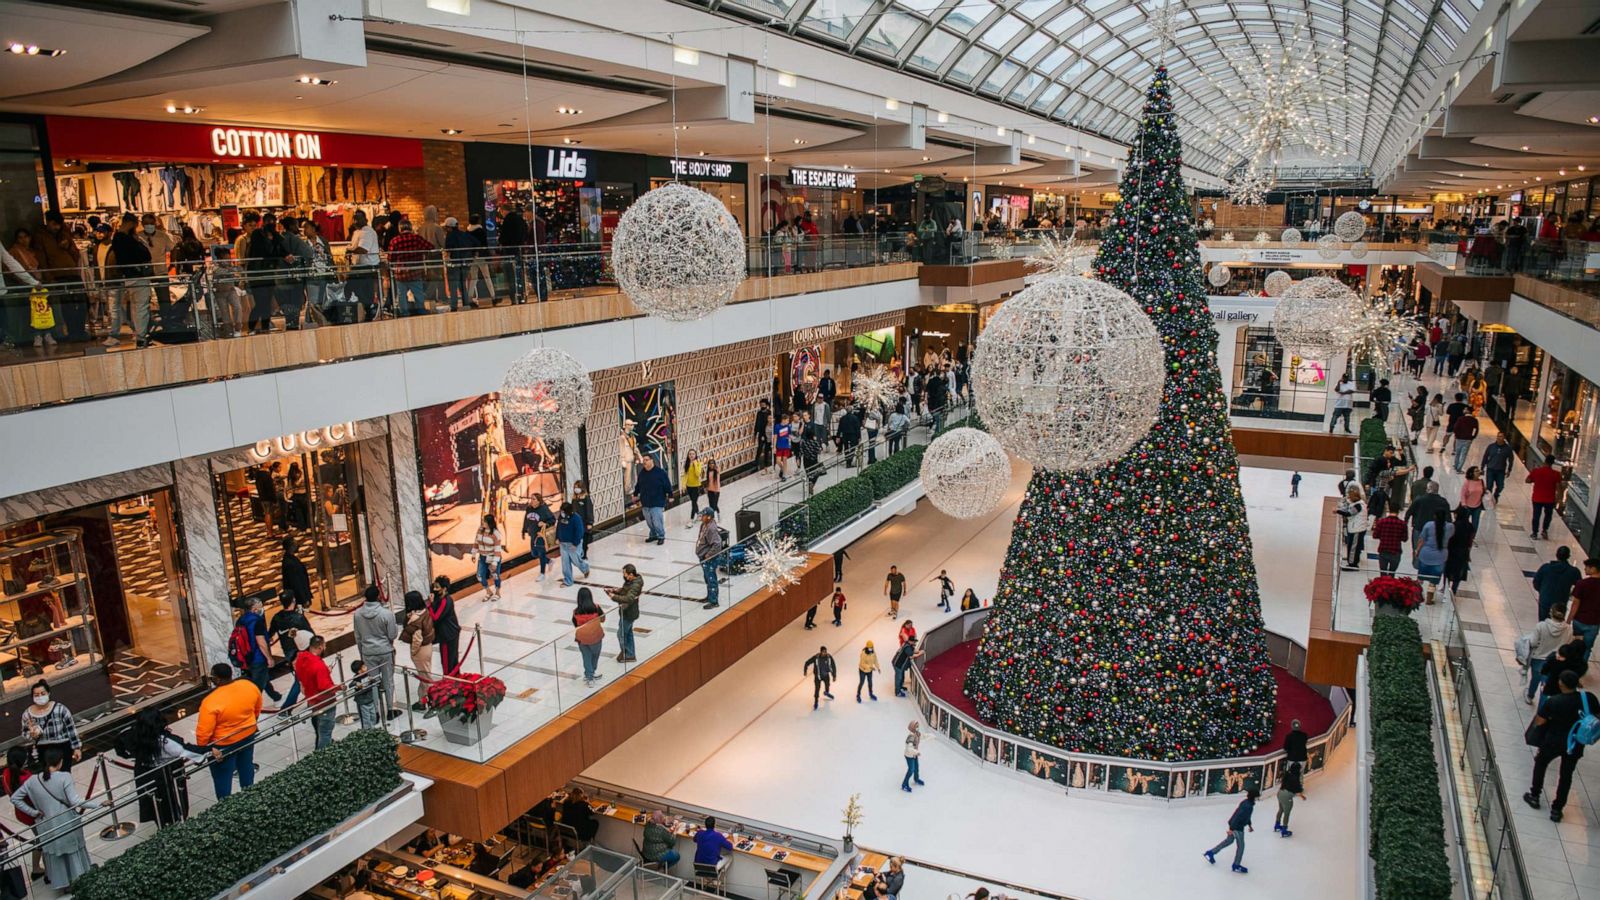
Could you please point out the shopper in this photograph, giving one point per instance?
(319, 270)
(1294, 744)
(651, 491)
(660, 845)
(17, 770)
(894, 587)
(903, 659)
(713, 485)
(461, 249)
(1289, 787)
(1344, 403)
(363, 255)
(710, 844)
(1458, 552)
(1465, 430)
(570, 531)
(913, 755)
(376, 631)
(296, 579)
(409, 254)
(128, 268)
(52, 799)
(709, 547)
(1423, 510)
(583, 505)
(291, 287)
(588, 623)
(1473, 490)
(899, 427)
(1498, 459)
(490, 547)
(838, 604)
(1353, 510)
(291, 627)
(867, 665)
(946, 589)
(823, 672)
(839, 556)
(417, 635)
(1555, 579)
(782, 434)
(1433, 434)
(540, 538)
(61, 269)
(226, 726)
(1550, 634)
(364, 687)
(1432, 550)
(48, 725)
(1417, 414)
(763, 435)
(1546, 482)
(1568, 657)
(1238, 824)
(446, 627)
(970, 601)
(1390, 532)
(313, 675)
(1294, 485)
(1584, 609)
(250, 648)
(1381, 397)
(693, 484)
(626, 597)
(895, 878)
(1553, 734)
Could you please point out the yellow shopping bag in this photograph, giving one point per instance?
(39, 313)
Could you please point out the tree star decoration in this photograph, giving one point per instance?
(873, 387)
(966, 473)
(1248, 185)
(1069, 373)
(546, 394)
(1376, 331)
(1328, 246)
(1219, 275)
(678, 253)
(775, 562)
(1316, 317)
(1060, 257)
(1278, 282)
(1358, 249)
(1292, 236)
(1350, 226)
(1164, 26)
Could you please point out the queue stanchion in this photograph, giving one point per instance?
(349, 716)
(118, 829)
(477, 641)
(412, 734)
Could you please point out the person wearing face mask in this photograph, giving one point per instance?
(48, 725)
(128, 268)
(311, 671)
(62, 264)
(160, 243)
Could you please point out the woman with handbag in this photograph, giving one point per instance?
(590, 634)
(158, 763)
(417, 633)
(52, 798)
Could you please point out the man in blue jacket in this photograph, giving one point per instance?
(1238, 824)
(652, 491)
(570, 528)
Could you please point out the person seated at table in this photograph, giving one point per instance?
(425, 843)
(483, 862)
(659, 846)
(710, 844)
(579, 815)
(525, 877)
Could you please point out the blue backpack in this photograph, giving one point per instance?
(1587, 729)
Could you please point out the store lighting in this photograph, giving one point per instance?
(18, 48)
(1594, 120)
(1000, 130)
(701, 153)
(799, 141)
(1580, 168)
(787, 79)
(186, 110)
(449, 131)
(944, 118)
(1561, 171)
(1030, 138)
(926, 158)
(891, 103)
(312, 79)
(1524, 147)
(686, 56)
(569, 111)
(570, 141)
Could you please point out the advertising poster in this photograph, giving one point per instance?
(1233, 779)
(1043, 765)
(1133, 780)
(965, 735)
(473, 465)
(257, 186)
(649, 419)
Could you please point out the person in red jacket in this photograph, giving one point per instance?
(312, 673)
(1545, 481)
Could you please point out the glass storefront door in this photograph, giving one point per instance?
(311, 499)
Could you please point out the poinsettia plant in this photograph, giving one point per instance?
(1406, 593)
(465, 696)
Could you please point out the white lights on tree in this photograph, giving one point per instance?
(678, 253)
(965, 473)
(1358, 249)
(1350, 226)
(1278, 282)
(1377, 332)
(1219, 275)
(546, 394)
(873, 387)
(775, 561)
(1328, 247)
(1315, 317)
(1292, 236)
(1069, 373)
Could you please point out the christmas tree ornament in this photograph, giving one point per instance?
(1377, 332)
(1277, 282)
(1292, 236)
(678, 253)
(1060, 257)
(1261, 239)
(1248, 185)
(1316, 316)
(965, 472)
(1358, 249)
(774, 561)
(1328, 247)
(1350, 227)
(1227, 236)
(1127, 619)
(1219, 275)
(546, 394)
(873, 387)
(1068, 373)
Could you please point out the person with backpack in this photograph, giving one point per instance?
(1566, 723)
(292, 628)
(249, 651)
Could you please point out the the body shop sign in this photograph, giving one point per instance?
(822, 178)
(692, 169)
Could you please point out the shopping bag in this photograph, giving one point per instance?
(40, 315)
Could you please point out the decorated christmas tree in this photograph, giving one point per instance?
(1127, 620)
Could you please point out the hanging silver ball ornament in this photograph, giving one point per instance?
(1069, 373)
(1328, 247)
(1358, 249)
(678, 253)
(1292, 236)
(1350, 226)
(1278, 282)
(1315, 317)
(966, 473)
(546, 394)
(1219, 275)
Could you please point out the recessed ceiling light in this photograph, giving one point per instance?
(21, 49)
(570, 141)
(1524, 146)
(1561, 171)
(1580, 168)
(766, 159)
(686, 56)
(1594, 120)
(186, 110)
(449, 131)
(312, 79)
(944, 117)
(701, 153)
(1538, 178)
(569, 111)
(787, 79)
(926, 158)
(1000, 130)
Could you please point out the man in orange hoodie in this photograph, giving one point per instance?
(227, 726)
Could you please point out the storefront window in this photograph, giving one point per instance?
(23, 199)
(93, 602)
(1269, 382)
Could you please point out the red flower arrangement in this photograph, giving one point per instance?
(1405, 593)
(465, 697)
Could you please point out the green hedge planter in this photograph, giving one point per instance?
(889, 475)
(1371, 441)
(209, 853)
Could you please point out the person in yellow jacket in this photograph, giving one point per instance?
(868, 665)
(694, 484)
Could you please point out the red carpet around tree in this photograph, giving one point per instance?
(1296, 699)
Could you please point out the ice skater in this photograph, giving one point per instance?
(947, 588)
(823, 672)
(913, 756)
(1294, 485)
(1238, 824)
(1289, 788)
(838, 606)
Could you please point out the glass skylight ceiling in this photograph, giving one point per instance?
(1087, 62)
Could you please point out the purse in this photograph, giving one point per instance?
(590, 632)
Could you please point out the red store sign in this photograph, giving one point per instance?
(127, 140)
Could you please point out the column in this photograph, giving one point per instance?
(413, 526)
(383, 540)
(209, 592)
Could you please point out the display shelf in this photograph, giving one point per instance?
(73, 624)
(36, 588)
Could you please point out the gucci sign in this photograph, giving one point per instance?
(331, 436)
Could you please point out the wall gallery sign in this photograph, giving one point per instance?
(832, 179)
